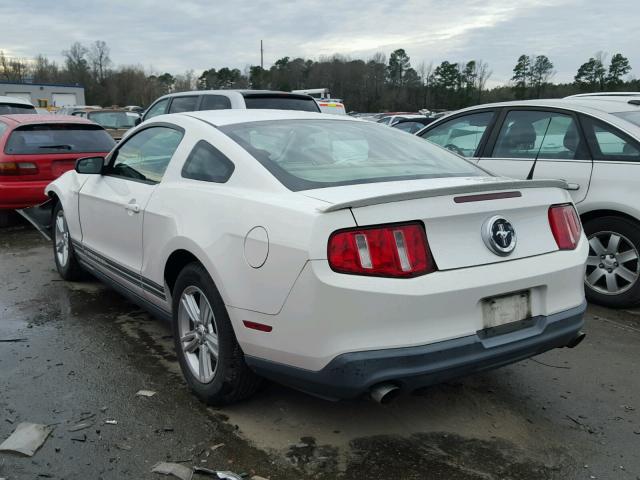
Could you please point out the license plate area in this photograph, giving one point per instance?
(506, 313)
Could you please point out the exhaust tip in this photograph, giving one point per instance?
(577, 340)
(384, 393)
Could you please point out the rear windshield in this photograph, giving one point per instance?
(306, 154)
(58, 138)
(281, 103)
(16, 108)
(633, 117)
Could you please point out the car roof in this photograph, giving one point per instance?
(605, 94)
(234, 116)
(23, 119)
(14, 100)
(585, 104)
(244, 93)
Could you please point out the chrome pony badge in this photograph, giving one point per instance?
(499, 236)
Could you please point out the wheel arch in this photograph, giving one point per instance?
(177, 260)
(593, 214)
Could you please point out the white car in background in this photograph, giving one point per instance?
(591, 141)
(15, 105)
(334, 255)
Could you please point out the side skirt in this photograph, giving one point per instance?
(134, 297)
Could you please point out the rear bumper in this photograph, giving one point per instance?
(22, 194)
(352, 374)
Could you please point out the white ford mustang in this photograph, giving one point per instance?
(334, 255)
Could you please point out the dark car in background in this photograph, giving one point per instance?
(230, 99)
(412, 125)
(36, 149)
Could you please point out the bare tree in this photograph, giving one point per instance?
(13, 69)
(483, 73)
(99, 59)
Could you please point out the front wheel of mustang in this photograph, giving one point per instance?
(210, 358)
(63, 252)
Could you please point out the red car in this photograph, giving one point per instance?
(36, 149)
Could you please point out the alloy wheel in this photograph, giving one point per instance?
(61, 239)
(613, 266)
(198, 334)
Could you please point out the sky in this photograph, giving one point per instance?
(179, 35)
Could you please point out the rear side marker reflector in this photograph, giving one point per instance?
(257, 326)
(565, 226)
(486, 196)
(397, 250)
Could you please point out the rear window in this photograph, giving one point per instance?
(281, 103)
(16, 108)
(306, 154)
(113, 119)
(58, 138)
(633, 117)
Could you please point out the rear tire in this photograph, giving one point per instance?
(613, 267)
(210, 357)
(63, 252)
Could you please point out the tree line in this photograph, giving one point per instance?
(375, 84)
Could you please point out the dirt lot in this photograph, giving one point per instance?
(567, 414)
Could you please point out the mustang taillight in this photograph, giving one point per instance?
(18, 168)
(565, 226)
(383, 251)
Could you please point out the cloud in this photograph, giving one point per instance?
(198, 34)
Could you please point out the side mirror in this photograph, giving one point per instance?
(138, 121)
(90, 165)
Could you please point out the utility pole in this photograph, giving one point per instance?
(261, 56)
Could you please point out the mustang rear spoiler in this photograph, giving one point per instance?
(488, 186)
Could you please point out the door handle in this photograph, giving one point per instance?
(573, 186)
(132, 207)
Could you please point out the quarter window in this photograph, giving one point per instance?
(158, 108)
(461, 134)
(533, 134)
(215, 102)
(607, 143)
(207, 163)
(146, 155)
(183, 104)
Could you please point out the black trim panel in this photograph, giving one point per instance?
(123, 272)
(134, 297)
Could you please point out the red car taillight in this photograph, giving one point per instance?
(18, 168)
(383, 251)
(565, 226)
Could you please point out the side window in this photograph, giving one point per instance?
(461, 134)
(158, 108)
(146, 155)
(215, 102)
(608, 143)
(385, 120)
(207, 163)
(533, 134)
(183, 104)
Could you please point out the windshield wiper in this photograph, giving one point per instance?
(61, 147)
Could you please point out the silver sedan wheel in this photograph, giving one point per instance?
(612, 265)
(198, 334)
(61, 239)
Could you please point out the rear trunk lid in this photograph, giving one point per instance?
(454, 212)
